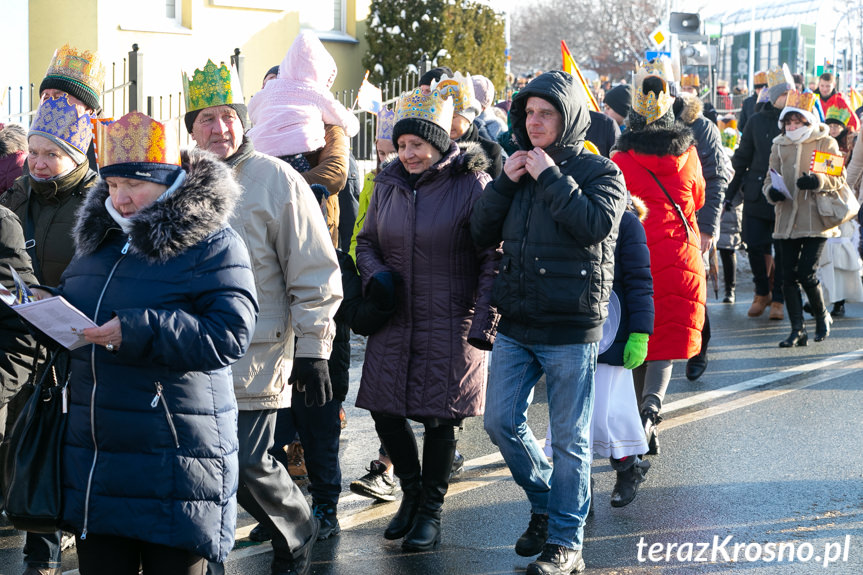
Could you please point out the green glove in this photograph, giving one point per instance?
(635, 350)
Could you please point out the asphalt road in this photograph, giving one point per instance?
(763, 453)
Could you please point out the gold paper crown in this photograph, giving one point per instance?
(760, 78)
(802, 101)
(649, 105)
(780, 75)
(836, 113)
(460, 89)
(83, 68)
(435, 108)
(212, 86)
(690, 81)
(137, 137)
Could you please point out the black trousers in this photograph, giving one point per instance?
(800, 261)
(266, 490)
(112, 555)
(757, 233)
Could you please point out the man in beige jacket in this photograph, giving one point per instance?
(299, 290)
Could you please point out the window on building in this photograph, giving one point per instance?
(325, 17)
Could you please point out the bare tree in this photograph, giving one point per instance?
(608, 37)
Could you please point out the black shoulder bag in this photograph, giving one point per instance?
(677, 209)
(32, 486)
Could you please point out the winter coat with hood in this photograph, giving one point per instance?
(558, 231)
(420, 364)
(17, 347)
(51, 206)
(688, 109)
(633, 283)
(751, 161)
(13, 154)
(799, 217)
(150, 449)
(296, 276)
(679, 282)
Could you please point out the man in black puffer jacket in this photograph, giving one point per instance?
(557, 208)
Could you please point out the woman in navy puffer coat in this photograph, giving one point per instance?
(150, 451)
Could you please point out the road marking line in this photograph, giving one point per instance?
(381, 510)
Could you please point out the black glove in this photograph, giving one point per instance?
(776, 195)
(382, 290)
(808, 182)
(312, 377)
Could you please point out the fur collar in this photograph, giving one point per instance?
(657, 142)
(691, 107)
(462, 158)
(472, 158)
(637, 206)
(163, 230)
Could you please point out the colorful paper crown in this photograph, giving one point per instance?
(838, 114)
(690, 81)
(58, 118)
(212, 86)
(434, 108)
(460, 89)
(386, 121)
(800, 101)
(760, 78)
(780, 75)
(650, 105)
(80, 70)
(137, 137)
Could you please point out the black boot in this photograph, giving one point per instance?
(729, 272)
(819, 310)
(628, 479)
(401, 447)
(438, 454)
(650, 420)
(838, 309)
(794, 305)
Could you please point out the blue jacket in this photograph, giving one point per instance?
(633, 284)
(150, 450)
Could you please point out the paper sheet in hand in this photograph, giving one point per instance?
(57, 318)
(777, 182)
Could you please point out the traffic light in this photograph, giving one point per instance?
(684, 23)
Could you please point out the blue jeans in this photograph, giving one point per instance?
(42, 550)
(563, 492)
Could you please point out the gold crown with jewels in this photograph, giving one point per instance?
(137, 137)
(460, 89)
(650, 105)
(435, 108)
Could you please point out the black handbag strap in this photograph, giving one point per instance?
(677, 209)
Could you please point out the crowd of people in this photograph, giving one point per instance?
(225, 281)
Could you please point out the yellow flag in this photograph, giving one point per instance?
(571, 67)
(855, 98)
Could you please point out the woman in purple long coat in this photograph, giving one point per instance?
(428, 364)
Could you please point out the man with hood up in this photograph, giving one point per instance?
(556, 208)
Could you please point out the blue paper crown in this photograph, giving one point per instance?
(58, 118)
(386, 121)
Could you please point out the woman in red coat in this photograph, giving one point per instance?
(658, 153)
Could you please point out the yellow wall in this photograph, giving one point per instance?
(57, 22)
(111, 27)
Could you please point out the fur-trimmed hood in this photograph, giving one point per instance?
(688, 108)
(161, 231)
(638, 207)
(657, 142)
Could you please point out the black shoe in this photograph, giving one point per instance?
(798, 338)
(838, 309)
(822, 326)
(696, 365)
(260, 534)
(457, 465)
(534, 537)
(626, 486)
(729, 297)
(376, 484)
(301, 561)
(326, 514)
(557, 560)
(650, 420)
